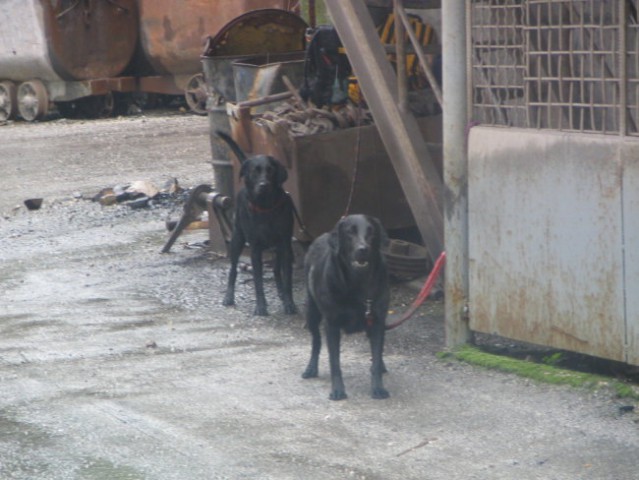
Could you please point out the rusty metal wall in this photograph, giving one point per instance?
(173, 37)
(547, 218)
(60, 39)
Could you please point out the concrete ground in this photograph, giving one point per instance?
(118, 362)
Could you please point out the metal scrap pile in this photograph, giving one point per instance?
(309, 121)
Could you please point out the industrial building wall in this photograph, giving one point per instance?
(553, 238)
(553, 173)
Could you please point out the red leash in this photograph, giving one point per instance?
(428, 286)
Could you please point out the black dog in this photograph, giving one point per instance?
(347, 285)
(263, 219)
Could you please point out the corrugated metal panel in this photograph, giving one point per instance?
(545, 239)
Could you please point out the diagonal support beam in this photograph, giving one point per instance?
(399, 130)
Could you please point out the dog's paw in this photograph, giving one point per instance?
(310, 372)
(260, 311)
(380, 393)
(337, 395)
(228, 301)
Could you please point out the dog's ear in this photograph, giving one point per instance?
(333, 238)
(282, 173)
(235, 148)
(381, 232)
(244, 169)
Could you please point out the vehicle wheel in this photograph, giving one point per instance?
(196, 93)
(7, 100)
(33, 100)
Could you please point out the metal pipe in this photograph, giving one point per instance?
(222, 164)
(400, 53)
(312, 15)
(419, 51)
(455, 120)
(623, 72)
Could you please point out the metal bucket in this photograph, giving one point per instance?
(259, 34)
(257, 77)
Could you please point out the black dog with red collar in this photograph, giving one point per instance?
(263, 219)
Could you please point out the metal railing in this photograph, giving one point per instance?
(570, 65)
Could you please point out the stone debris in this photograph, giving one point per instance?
(139, 193)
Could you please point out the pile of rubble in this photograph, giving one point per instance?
(139, 194)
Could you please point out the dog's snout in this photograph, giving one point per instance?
(361, 253)
(262, 187)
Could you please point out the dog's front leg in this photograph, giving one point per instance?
(235, 250)
(376, 337)
(338, 391)
(284, 278)
(258, 280)
(313, 319)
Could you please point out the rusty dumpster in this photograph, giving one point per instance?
(325, 168)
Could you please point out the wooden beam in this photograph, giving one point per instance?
(399, 131)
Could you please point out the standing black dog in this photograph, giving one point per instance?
(263, 219)
(347, 285)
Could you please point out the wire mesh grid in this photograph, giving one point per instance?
(569, 65)
(632, 68)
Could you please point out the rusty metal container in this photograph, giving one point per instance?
(268, 33)
(63, 40)
(255, 41)
(257, 77)
(321, 171)
(173, 36)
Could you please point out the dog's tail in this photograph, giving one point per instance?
(234, 146)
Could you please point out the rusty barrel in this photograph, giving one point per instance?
(173, 36)
(58, 40)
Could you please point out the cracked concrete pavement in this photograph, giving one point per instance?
(117, 362)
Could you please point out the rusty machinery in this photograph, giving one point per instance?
(244, 61)
(83, 56)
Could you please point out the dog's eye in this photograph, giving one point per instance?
(369, 232)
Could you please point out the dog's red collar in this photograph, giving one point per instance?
(257, 209)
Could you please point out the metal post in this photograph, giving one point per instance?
(221, 160)
(312, 19)
(623, 72)
(400, 53)
(455, 171)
